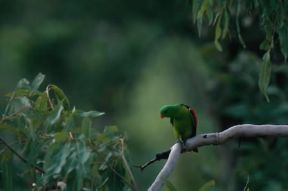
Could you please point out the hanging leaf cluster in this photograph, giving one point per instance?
(223, 14)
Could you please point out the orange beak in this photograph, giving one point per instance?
(162, 116)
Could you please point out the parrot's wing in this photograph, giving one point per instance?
(194, 115)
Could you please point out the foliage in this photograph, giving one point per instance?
(273, 18)
(239, 103)
(61, 141)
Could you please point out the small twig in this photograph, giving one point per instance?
(121, 177)
(126, 165)
(20, 156)
(158, 156)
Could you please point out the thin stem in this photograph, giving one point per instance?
(49, 100)
(126, 165)
(20, 156)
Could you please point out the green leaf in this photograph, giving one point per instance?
(111, 130)
(265, 74)
(104, 164)
(86, 127)
(195, 8)
(18, 104)
(265, 45)
(91, 114)
(60, 95)
(83, 153)
(207, 186)
(41, 103)
(170, 186)
(54, 116)
(58, 160)
(22, 92)
(61, 136)
(200, 15)
(218, 32)
(226, 24)
(23, 83)
(238, 24)
(37, 81)
(283, 38)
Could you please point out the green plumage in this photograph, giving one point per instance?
(183, 120)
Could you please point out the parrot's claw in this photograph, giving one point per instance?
(182, 143)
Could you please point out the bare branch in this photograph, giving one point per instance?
(237, 131)
(168, 168)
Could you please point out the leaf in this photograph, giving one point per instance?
(226, 24)
(104, 165)
(54, 116)
(23, 83)
(91, 114)
(200, 15)
(283, 38)
(41, 103)
(195, 8)
(60, 95)
(218, 32)
(18, 104)
(207, 186)
(111, 130)
(218, 45)
(83, 153)
(265, 74)
(265, 45)
(61, 136)
(86, 127)
(22, 92)
(37, 81)
(170, 186)
(58, 160)
(238, 24)
(27, 123)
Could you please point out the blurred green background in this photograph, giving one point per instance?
(128, 58)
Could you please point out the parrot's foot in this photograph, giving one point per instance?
(183, 144)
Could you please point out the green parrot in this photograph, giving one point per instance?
(183, 119)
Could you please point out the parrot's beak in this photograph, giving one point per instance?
(162, 116)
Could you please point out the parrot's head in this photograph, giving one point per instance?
(168, 111)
